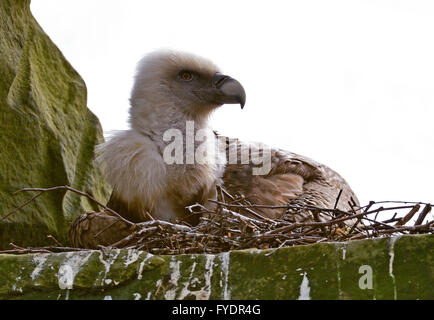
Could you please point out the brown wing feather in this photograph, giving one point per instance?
(293, 179)
(97, 228)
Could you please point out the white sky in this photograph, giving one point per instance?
(347, 83)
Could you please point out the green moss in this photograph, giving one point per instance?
(48, 133)
(320, 271)
(410, 265)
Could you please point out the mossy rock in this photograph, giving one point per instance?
(387, 268)
(47, 132)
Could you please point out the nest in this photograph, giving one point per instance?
(234, 224)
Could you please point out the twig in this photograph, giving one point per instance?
(20, 207)
(42, 190)
(337, 199)
(408, 216)
(55, 240)
(423, 214)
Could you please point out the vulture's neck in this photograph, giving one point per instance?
(154, 125)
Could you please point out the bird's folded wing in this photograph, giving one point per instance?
(292, 179)
(92, 229)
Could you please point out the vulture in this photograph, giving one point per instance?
(173, 95)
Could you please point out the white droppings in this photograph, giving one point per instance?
(174, 277)
(142, 264)
(204, 292)
(65, 277)
(38, 259)
(185, 292)
(108, 281)
(158, 283)
(298, 269)
(111, 258)
(284, 277)
(148, 296)
(132, 256)
(14, 288)
(338, 268)
(108, 298)
(224, 257)
(392, 257)
(70, 267)
(304, 288)
(137, 296)
(339, 279)
(108, 263)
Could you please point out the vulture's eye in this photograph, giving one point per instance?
(185, 76)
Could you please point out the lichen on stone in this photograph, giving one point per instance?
(47, 133)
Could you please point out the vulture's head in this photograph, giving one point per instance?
(179, 85)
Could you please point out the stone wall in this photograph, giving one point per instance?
(47, 132)
(387, 268)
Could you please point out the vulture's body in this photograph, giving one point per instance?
(176, 92)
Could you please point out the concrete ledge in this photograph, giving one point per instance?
(387, 268)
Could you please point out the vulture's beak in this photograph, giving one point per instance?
(228, 90)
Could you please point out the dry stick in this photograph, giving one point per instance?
(21, 206)
(395, 201)
(45, 249)
(352, 204)
(354, 225)
(64, 248)
(226, 193)
(327, 223)
(244, 207)
(408, 216)
(425, 227)
(337, 199)
(242, 217)
(55, 240)
(216, 243)
(385, 222)
(220, 194)
(106, 228)
(317, 219)
(73, 190)
(376, 224)
(393, 218)
(275, 249)
(168, 238)
(26, 250)
(338, 211)
(15, 246)
(153, 223)
(423, 214)
(149, 215)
